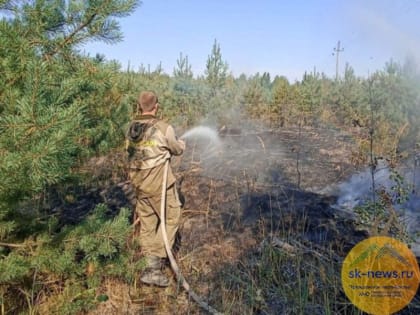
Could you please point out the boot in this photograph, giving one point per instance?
(153, 274)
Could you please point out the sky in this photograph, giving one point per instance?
(280, 37)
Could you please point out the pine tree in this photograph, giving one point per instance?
(57, 107)
(183, 69)
(216, 68)
(49, 95)
(281, 99)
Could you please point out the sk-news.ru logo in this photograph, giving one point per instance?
(380, 275)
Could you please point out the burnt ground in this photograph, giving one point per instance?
(251, 189)
(273, 177)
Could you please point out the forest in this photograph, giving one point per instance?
(66, 226)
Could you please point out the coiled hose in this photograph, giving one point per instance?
(171, 257)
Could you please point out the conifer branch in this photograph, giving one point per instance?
(70, 37)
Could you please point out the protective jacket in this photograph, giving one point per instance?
(150, 142)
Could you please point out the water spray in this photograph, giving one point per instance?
(202, 132)
(206, 138)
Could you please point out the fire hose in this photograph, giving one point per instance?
(171, 257)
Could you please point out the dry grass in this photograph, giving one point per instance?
(251, 242)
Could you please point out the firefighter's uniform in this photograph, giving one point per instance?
(150, 143)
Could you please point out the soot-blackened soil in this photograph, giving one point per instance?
(249, 188)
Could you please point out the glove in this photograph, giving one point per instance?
(182, 142)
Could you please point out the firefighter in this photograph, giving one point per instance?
(150, 143)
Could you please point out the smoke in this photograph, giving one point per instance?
(235, 152)
(227, 143)
(358, 190)
(392, 27)
(391, 30)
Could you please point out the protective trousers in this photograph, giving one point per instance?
(148, 210)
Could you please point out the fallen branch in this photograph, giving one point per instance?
(11, 245)
(262, 143)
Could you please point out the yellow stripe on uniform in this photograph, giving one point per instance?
(149, 143)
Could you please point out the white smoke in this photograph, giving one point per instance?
(359, 189)
(389, 35)
(383, 30)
